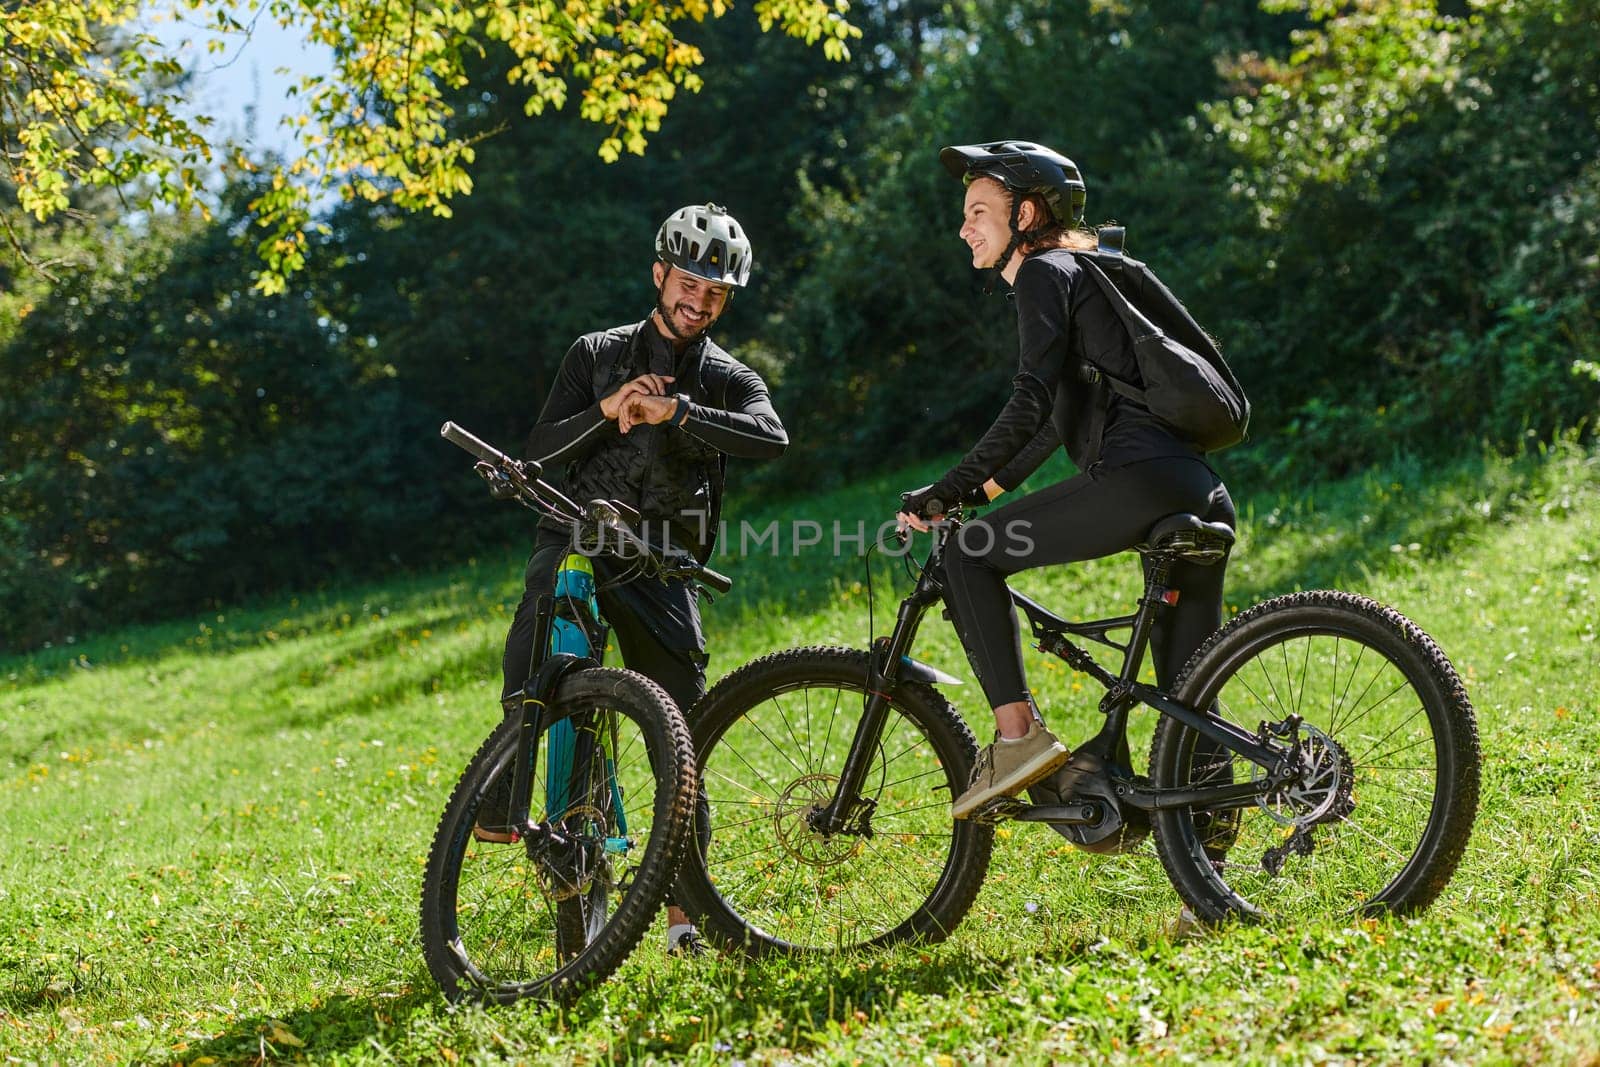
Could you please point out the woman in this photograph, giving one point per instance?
(1022, 217)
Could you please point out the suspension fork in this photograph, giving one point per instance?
(845, 811)
(547, 671)
(532, 705)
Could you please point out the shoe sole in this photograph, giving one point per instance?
(1041, 766)
(496, 837)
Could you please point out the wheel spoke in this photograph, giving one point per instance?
(774, 876)
(776, 792)
(775, 746)
(1403, 748)
(911, 778)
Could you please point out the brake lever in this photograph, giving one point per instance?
(500, 485)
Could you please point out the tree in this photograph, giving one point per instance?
(77, 108)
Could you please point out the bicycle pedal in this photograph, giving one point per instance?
(998, 810)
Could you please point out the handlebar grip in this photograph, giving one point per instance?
(464, 440)
(718, 583)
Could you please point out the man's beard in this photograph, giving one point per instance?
(674, 325)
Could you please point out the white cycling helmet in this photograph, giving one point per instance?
(707, 242)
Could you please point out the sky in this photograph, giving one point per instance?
(242, 87)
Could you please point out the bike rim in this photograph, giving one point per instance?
(790, 886)
(1371, 803)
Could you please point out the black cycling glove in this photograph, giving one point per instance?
(932, 501)
(929, 502)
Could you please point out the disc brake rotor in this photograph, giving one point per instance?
(803, 796)
(1321, 792)
(566, 877)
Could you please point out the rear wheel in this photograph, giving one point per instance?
(770, 740)
(1379, 816)
(552, 914)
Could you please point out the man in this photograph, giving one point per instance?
(648, 414)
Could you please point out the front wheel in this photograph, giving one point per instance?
(613, 777)
(770, 739)
(1379, 816)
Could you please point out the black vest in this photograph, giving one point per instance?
(662, 471)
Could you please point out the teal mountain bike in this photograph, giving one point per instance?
(564, 834)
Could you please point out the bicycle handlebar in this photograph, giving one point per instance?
(714, 580)
(521, 477)
(483, 450)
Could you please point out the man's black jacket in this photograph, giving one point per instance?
(667, 472)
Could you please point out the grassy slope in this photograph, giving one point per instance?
(214, 830)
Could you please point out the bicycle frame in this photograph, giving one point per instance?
(847, 812)
(520, 479)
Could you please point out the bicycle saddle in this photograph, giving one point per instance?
(1190, 538)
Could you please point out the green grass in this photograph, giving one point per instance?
(215, 829)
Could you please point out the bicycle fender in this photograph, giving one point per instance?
(551, 671)
(916, 671)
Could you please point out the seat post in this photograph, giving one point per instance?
(1159, 567)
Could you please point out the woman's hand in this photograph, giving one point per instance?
(920, 507)
(918, 510)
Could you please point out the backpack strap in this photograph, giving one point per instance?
(610, 358)
(1133, 320)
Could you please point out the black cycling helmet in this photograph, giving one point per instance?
(1023, 167)
(707, 242)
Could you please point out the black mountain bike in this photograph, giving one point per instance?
(1318, 753)
(564, 834)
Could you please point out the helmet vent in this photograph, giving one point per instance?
(706, 242)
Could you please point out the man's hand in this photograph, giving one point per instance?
(644, 385)
(642, 410)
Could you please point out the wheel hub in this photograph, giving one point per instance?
(791, 823)
(572, 872)
(1321, 792)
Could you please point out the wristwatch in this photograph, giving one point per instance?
(682, 414)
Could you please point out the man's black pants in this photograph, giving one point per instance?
(656, 623)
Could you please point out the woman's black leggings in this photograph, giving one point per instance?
(1100, 512)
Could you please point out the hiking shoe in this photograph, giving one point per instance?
(1007, 767)
(685, 940)
(493, 818)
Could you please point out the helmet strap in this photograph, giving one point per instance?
(1011, 246)
(1018, 236)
